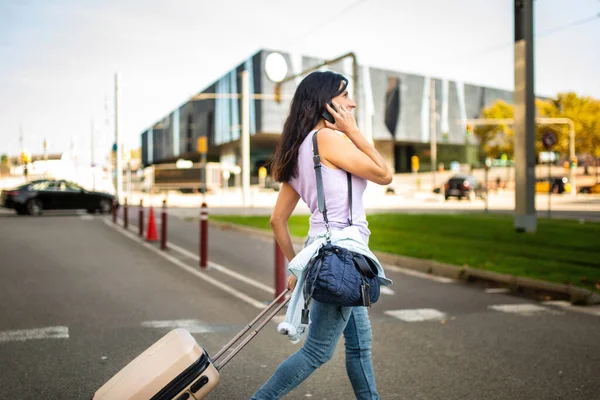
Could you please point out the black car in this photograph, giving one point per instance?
(35, 197)
(464, 186)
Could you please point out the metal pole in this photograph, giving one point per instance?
(572, 157)
(279, 270)
(525, 216)
(163, 228)
(551, 188)
(114, 210)
(45, 158)
(125, 214)
(129, 186)
(119, 155)
(355, 83)
(203, 236)
(245, 138)
(487, 185)
(432, 132)
(141, 218)
(92, 156)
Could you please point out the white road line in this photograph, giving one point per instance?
(386, 290)
(51, 332)
(523, 309)
(191, 325)
(418, 274)
(223, 269)
(497, 290)
(417, 315)
(87, 218)
(201, 275)
(214, 265)
(593, 310)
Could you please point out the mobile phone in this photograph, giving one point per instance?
(327, 115)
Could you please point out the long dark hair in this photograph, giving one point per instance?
(308, 103)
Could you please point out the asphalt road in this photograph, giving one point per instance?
(102, 291)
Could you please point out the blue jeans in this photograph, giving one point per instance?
(327, 324)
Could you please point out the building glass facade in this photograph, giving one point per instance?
(393, 106)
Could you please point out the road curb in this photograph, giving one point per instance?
(574, 294)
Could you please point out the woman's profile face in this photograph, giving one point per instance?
(345, 100)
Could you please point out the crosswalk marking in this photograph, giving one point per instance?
(191, 325)
(418, 274)
(22, 335)
(386, 290)
(417, 315)
(497, 290)
(523, 309)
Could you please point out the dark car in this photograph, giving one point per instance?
(464, 186)
(35, 197)
(556, 184)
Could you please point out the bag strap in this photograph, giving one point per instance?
(320, 190)
(364, 266)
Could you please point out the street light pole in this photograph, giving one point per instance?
(433, 132)
(92, 155)
(525, 216)
(572, 157)
(119, 151)
(245, 139)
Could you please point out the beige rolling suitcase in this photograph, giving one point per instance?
(177, 367)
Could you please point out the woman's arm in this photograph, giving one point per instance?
(359, 157)
(286, 202)
(285, 205)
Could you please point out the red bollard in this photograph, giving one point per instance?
(280, 284)
(125, 215)
(141, 218)
(163, 235)
(204, 236)
(114, 210)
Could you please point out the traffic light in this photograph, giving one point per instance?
(202, 145)
(25, 157)
(277, 91)
(574, 162)
(414, 161)
(468, 131)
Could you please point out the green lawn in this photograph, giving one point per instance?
(561, 251)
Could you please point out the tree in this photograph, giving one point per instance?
(584, 111)
(3, 159)
(496, 139)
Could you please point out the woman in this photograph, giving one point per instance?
(342, 148)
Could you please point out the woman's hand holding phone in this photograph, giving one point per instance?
(344, 120)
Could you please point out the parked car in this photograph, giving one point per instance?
(35, 197)
(464, 186)
(556, 184)
(594, 189)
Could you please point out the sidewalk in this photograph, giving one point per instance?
(375, 197)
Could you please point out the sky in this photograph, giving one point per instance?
(58, 58)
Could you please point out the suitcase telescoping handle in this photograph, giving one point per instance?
(247, 328)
